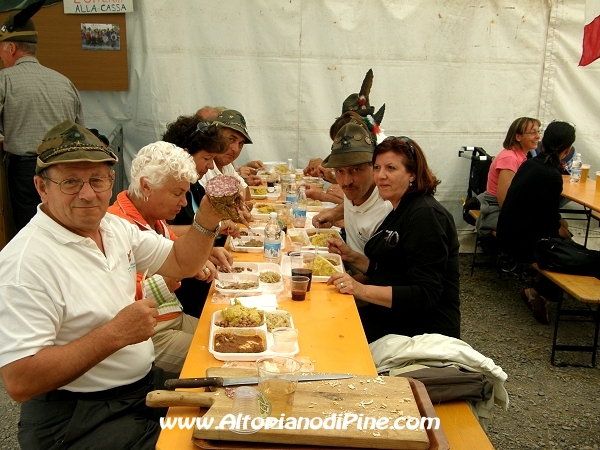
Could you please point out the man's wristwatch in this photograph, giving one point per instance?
(201, 229)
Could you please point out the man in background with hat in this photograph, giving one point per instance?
(75, 346)
(33, 99)
(247, 171)
(232, 127)
(363, 209)
(361, 110)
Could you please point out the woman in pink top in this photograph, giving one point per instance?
(522, 136)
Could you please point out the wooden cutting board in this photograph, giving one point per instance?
(373, 397)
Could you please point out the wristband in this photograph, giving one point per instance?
(201, 229)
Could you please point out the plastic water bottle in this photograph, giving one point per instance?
(291, 195)
(272, 247)
(299, 208)
(576, 168)
(290, 166)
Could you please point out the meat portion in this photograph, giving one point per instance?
(233, 343)
(225, 197)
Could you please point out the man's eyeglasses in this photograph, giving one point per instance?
(534, 132)
(72, 186)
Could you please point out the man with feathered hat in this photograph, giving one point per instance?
(356, 107)
(33, 99)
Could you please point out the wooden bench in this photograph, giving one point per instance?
(585, 290)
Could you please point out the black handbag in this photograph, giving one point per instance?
(565, 256)
(470, 203)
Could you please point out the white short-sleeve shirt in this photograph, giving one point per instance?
(57, 286)
(361, 222)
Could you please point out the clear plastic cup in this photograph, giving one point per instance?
(299, 287)
(277, 381)
(585, 172)
(302, 265)
(285, 339)
(245, 406)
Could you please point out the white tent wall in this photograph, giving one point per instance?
(451, 73)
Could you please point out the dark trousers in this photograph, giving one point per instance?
(114, 419)
(24, 197)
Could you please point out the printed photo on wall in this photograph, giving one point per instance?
(100, 36)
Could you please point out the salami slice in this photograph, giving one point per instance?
(224, 194)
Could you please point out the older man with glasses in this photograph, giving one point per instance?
(75, 347)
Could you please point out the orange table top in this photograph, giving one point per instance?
(331, 336)
(585, 193)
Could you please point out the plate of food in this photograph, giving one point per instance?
(318, 236)
(258, 192)
(269, 277)
(238, 283)
(239, 333)
(325, 265)
(240, 267)
(262, 211)
(247, 244)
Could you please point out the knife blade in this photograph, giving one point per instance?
(224, 382)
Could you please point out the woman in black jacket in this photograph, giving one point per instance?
(531, 209)
(411, 262)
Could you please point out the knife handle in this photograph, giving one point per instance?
(166, 399)
(175, 383)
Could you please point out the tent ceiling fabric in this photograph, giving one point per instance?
(450, 73)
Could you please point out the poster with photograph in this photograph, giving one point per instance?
(100, 36)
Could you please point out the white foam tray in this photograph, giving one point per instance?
(262, 331)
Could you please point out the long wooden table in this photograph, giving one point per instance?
(331, 335)
(586, 195)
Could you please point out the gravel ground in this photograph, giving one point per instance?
(550, 407)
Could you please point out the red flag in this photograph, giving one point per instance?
(591, 33)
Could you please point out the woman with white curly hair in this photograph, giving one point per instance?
(161, 174)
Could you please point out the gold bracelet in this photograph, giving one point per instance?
(201, 229)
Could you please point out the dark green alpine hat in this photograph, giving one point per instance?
(230, 118)
(353, 145)
(69, 142)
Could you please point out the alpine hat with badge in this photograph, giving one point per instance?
(19, 27)
(353, 145)
(230, 118)
(69, 142)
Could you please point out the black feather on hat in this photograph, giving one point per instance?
(19, 27)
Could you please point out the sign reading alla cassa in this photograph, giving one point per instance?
(97, 6)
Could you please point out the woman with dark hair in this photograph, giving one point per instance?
(531, 209)
(411, 262)
(523, 136)
(202, 141)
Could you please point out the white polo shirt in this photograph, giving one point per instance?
(229, 169)
(57, 286)
(361, 222)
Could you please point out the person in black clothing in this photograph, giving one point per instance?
(202, 141)
(531, 210)
(411, 262)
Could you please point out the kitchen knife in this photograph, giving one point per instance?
(224, 382)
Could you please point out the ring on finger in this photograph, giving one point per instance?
(342, 285)
(206, 271)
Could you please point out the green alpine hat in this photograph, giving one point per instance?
(19, 27)
(230, 118)
(69, 142)
(358, 104)
(352, 146)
